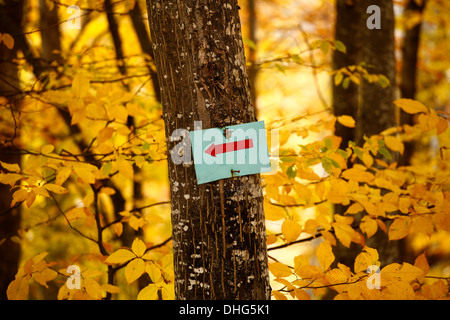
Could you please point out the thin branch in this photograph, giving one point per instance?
(314, 70)
(68, 221)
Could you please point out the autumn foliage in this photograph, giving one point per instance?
(97, 197)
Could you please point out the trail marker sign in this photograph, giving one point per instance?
(232, 151)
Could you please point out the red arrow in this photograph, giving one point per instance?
(229, 147)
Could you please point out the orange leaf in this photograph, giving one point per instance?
(399, 228)
(8, 40)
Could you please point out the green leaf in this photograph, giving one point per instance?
(385, 153)
(280, 68)
(383, 81)
(297, 59)
(291, 172)
(340, 46)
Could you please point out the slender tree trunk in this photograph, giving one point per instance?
(410, 51)
(146, 45)
(219, 238)
(347, 30)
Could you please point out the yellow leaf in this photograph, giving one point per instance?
(85, 174)
(120, 256)
(154, 272)
(44, 276)
(125, 168)
(354, 208)
(150, 292)
(397, 291)
(399, 228)
(394, 144)
(442, 126)
(369, 226)
(8, 40)
(325, 255)
(422, 263)
(93, 288)
(55, 188)
(18, 288)
(423, 224)
(346, 121)
(291, 230)
(301, 294)
(118, 113)
(62, 175)
(359, 174)
(107, 190)
(435, 291)
(280, 270)
(344, 233)
(10, 178)
(118, 228)
(104, 134)
(299, 262)
(310, 272)
(338, 191)
(278, 295)
(336, 276)
(19, 196)
(134, 269)
(47, 149)
(367, 159)
(429, 121)
(273, 213)
(138, 247)
(395, 273)
(362, 262)
(80, 85)
(410, 106)
(11, 167)
(30, 198)
(110, 288)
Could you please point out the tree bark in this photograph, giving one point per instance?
(348, 31)
(377, 111)
(410, 52)
(219, 238)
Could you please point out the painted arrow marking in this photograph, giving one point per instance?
(213, 149)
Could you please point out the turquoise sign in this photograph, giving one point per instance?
(232, 151)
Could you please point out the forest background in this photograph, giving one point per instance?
(84, 160)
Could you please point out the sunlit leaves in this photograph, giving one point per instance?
(325, 255)
(411, 106)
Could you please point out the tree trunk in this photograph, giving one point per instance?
(370, 104)
(348, 31)
(377, 111)
(219, 238)
(410, 51)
